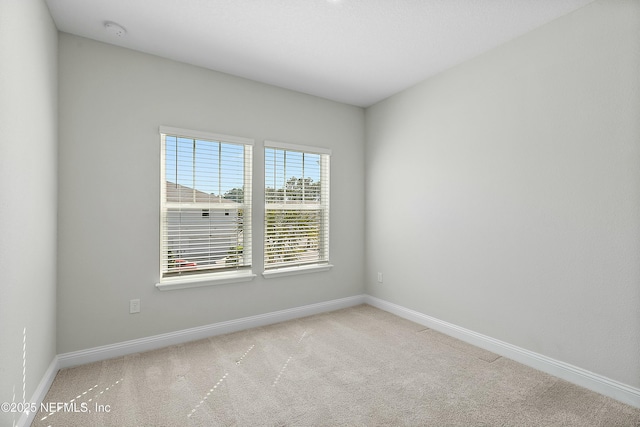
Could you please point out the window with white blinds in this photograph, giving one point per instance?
(205, 203)
(296, 206)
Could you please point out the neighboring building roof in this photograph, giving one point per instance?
(178, 193)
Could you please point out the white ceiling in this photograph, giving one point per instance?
(352, 51)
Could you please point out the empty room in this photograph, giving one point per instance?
(320, 212)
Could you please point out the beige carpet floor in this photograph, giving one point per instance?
(355, 367)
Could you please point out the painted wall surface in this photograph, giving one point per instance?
(503, 195)
(28, 158)
(112, 101)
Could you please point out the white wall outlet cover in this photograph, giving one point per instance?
(134, 306)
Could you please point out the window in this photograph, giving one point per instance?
(205, 205)
(296, 206)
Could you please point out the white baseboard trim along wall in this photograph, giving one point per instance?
(27, 417)
(598, 383)
(76, 358)
(192, 334)
(573, 374)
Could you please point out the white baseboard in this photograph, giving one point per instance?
(598, 383)
(96, 354)
(41, 391)
(592, 381)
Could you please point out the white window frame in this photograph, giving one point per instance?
(322, 264)
(206, 277)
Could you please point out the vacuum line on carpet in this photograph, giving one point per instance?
(244, 355)
(80, 396)
(287, 362)
(206, 396)
(282, 370)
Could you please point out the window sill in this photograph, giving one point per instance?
(290, 271)
(208, 280)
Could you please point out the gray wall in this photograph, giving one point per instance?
(28, 144)
(503, 195)
(112, 101)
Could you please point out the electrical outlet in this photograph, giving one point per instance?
(134, 306)
(379, 277)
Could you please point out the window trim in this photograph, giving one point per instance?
(209, 136)
(207, 278)
(314, 267)
(296, 147)
(291, 271)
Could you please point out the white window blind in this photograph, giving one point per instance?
(205, 203)
(296, 206)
